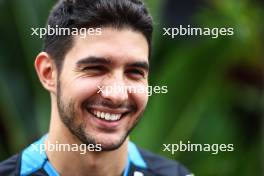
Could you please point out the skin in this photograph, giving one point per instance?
(121, 59)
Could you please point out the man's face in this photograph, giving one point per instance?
(115, 59)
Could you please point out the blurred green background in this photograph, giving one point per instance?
(215, 85)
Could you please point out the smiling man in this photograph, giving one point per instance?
(72, 68)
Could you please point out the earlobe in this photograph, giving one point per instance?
(46, 71)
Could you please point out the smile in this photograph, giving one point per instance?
(106, 116)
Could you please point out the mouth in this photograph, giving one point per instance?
(107, 114)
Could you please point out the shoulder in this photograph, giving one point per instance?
(162, 166)
(10, 166)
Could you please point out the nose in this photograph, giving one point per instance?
(114, 89)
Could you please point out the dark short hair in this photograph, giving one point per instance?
(92, 14)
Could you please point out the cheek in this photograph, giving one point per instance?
(81, 89)
(143, 99)
(141, 96)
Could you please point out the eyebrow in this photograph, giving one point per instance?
(93, 60)
(140, 64)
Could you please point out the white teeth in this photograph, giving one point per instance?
(97, 113)
(112, 117)
(106, 116)
(117, 116)
(102, 115)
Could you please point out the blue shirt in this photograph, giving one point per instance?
(140, 163)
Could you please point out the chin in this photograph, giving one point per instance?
(110, 142)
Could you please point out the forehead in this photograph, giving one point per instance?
(119, 45)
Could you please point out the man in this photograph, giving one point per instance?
(76, 71)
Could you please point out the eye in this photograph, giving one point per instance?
(135, 73)
(98, 69)
(92, 68)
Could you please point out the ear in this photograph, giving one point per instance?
(46, 70)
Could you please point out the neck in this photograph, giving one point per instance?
(110, 163)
